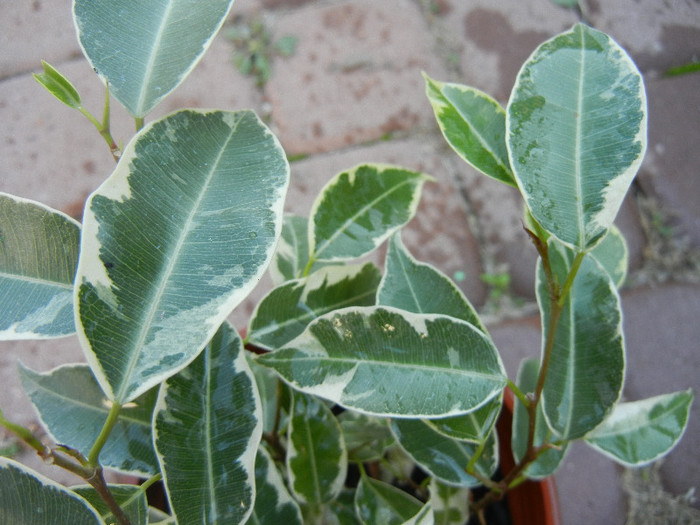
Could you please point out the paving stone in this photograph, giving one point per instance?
(439, 234)
(670, 169)
(34, 30)
(493, 39)
(54, 155)
(657, 35)
(662, 334)
(355, 74)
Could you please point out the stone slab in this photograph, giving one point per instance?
(492, 39)
(670, 170)
(34, 30)
(662, 334)
(657, 35)
(355, 75)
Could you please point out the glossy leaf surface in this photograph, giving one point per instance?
(366, 437)
(131, 499)
(292, 251)
(273, 503)
(384, 198)
(28, 497)
(549, 460)
(587, 366)
(474, 426)
(73, 409)
(640, 432)
(207, 427)
(363, 359)
(379, 502)
(317, 459)
(286, 311)
(38, 257)
(474, 125)
(145, 50)
(612, 254)
(421, 288)
(442, 457)
(175, 238)
(577, 124)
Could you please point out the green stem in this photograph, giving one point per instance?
(570, 278)
(522, 397)
(138, 121)
(308, 266)
(103, 127)
(25, 435)
(112, 418)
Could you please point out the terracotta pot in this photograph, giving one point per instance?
(532, 502)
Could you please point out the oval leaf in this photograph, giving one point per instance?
(366, 437)
(273, 504)
(474, 125)
(577, 125)
(28, 497)
(640, 432)
(444, 458)
(207, 427)
(73, 409)
(421, 288)
(177, 236)
(363, 358)
(450, 504)
(474, 426)
(38, 256)
(317, 460)
(360, 208)
(287, 310)
(145, 50)
(58, 85)
(379, 502)
(586, 368)
(547, 462)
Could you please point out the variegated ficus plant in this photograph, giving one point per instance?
(352, 369)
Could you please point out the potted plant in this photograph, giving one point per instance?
(365, 396)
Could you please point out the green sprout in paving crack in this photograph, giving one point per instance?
(344, 373)
(255, 48)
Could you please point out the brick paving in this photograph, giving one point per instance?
(352, 92)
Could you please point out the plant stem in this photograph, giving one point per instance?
(138, 121)
(112, 418)
(98, 482)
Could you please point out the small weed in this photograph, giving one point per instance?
(255, 48)
(498, 284)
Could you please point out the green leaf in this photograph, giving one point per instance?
(444, 458)
(360, 208)
(130, 498)
(379, 502)
(317, 459)
(145, 50)
(286, 311)
(73, 409)
(207, 427)
(586, 369)
(340, 511)
(640, 432)
(292, 252)
(474, 125)
(175, 238)
(366, 437)
(577, 125)
(38, 256)
(450, 504)
(364, 358)
(58, 85)
(549, 460)
(566, 3)
(273, 503)
(421, 288)
(612, 254)
(474, 426)
(28, 497)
